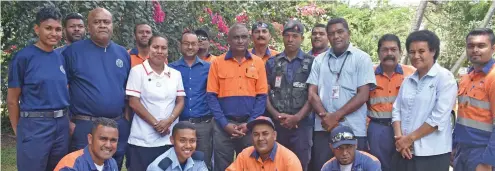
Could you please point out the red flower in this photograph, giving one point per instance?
(13, 47)
(200, 19)
(242, 17)
(158, 14)
(208, 10)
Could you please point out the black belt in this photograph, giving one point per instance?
(206, 118)
(239, 119)
(91, 118)
(48, 114)
(382, 121)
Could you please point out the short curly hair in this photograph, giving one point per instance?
(425, 36)
(48, 12)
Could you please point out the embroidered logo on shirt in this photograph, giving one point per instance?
(62, 69)
(119, 63)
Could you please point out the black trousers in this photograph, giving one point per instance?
(141, 157)
(421, 163)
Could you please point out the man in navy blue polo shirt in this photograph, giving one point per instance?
(194, 73)
(37, 97)
(97, 71)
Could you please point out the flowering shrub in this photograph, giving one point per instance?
(158, 14)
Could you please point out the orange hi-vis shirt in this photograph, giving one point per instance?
(383, 96)
(81, 160)
(268, 53)
(476, 111)
(236, 88)
(208, 58)
(281, 159)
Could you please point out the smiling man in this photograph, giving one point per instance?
(97, 156)
(319, 40)
(183, 157)
(266, 154)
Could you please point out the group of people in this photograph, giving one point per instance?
(253, 109)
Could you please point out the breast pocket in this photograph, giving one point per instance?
(226, 81)
(251, 79)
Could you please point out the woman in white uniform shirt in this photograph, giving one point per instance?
(156, 95)
(421, 112)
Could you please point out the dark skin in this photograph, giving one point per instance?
(261, 37)
(338, 36)
(319, 40)
(238, 40)
(158, 54)
(142, 36)
(287, 120)
(49, 33)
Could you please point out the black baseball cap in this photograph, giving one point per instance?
(342, 135)
(203, 32)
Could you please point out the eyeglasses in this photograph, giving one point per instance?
(342, 136)
(202, 38)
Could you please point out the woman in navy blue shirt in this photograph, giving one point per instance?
(37, 97)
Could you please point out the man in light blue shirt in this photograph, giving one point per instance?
(340, 82)
(183, 157)
(421, 112)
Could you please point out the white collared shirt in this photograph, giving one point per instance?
(157, 93)
(427, 100)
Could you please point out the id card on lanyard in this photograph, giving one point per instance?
(336, 87)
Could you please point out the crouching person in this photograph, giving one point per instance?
(183, 157)
(97, 155)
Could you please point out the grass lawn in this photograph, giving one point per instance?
(8, 156)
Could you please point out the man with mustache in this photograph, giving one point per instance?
(347, 158)
(287, 102)
(74, 30)
(340, 84)
(236, 93)
(97, 71)
(319, 40)
(97, 155)
(266, 153)
(261, 38)
(389, 76)
(475, 129)
(204, 45)
(142, 34)
(183, 156)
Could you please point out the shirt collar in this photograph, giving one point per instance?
(348, 50)
(267, 52)
(488, 66)
(432, 72)
(87, 157)
(256, 155)
(134, 51)
(182, 62)
(149, 70)
(398, 69)
(300, 55)
(229, 55)
(175, 161)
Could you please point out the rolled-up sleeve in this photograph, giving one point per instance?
(396, 106)
(365, 73)
(315, 70)
(134, 82)
(180, 86)
(446, 95)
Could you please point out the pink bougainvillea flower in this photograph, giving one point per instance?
(242, 17)
(158, 14)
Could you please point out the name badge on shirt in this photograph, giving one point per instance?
(335, 91)
(278, 81)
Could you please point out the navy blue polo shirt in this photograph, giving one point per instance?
(97, 78)
(194, 79)
(41, 77)
(61, 49)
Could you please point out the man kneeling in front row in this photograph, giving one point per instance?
(183, 156)
(97, 155)
(343, 144)
(265, 154)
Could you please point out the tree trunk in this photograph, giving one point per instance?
(486, 20)
(416, 23)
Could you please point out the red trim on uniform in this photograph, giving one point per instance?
(133, 91)
(145, 70)
(180, 90)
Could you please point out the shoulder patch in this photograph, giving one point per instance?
(198, 155)
(165, 163)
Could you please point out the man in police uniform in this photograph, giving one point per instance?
(260, 34)
(389, 76)
(97, 71)
(475, 128)
(288, 102)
